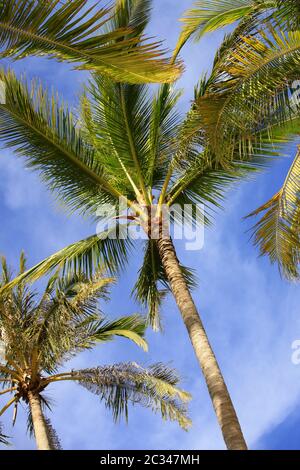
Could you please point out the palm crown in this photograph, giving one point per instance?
(126, 143)
(38, 337)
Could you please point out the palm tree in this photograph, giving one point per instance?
(39, 336)
(127, 143)
(80, 34)
(253, 89)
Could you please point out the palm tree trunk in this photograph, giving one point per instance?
(220, 397)
(39, 424)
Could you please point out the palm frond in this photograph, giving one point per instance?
(132, 327)
(289, 11)
(120, 117)
(277, 233)
(83, 293)
(52, 436)
(132, 14)
(204, 183)
(3, 437)
(152, 284)
(208, 15)
(6, 274)
(163, 126)
(250, 92)
(74, 32)
(45, 134)
(155, 388)
(84, 256)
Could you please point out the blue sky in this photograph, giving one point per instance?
(251, 314)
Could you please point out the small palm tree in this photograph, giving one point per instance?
(128, 143)
(79, 33)
(249, 98)
(39, 337)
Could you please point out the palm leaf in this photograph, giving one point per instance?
(277, 232)
(152, 284)
(250, 92)
(208, 15)
(52, 436)
(45, 134)
(3, 437)
(164, 121)
(132, 327)
(155, 388)
(120, 116)
(82, 257)
(83, 293)
(73, 32)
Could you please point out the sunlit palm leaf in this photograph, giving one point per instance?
(208, 15)
(132, 327)
(44, 133)
(277, 234)
(251, 15)
(251, 90)
(120, 118)
(74, 32)
(84, 256)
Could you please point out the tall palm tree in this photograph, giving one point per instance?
(38, 337)
(253, 89)
(128, 142)
(78, 33)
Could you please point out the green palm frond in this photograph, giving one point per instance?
(133, 132)
(133, 14)
(163, 134)
(45, 134)
(250, 15)
(6, 274)
(3, 437)
(61, 324)
(203, 182)
(154, 387)
(208, 15)
(289, 11)
(250, 92)
(152, 284)
(277, 233)
(120, 122)
(83, 293)
(84, 256)
(132, 327)
(74, 32)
